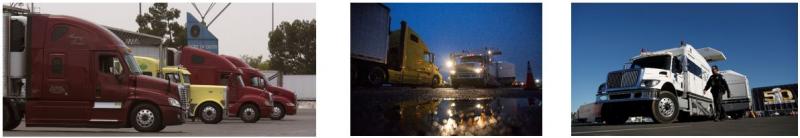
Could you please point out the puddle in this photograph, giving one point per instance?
(447, 116)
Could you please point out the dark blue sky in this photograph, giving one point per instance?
(759, 40)
(515, 29)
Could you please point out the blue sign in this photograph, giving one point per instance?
(198, 35)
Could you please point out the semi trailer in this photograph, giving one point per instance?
(248, 103)
(380, 56)
(206, 102)
(285, 100)
(62, 71)
(664, 85)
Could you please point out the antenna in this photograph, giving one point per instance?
(204, 15)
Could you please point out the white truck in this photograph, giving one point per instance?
(740, 101)
(664, 85)
(479, 68)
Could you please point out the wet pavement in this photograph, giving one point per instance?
(445, 111)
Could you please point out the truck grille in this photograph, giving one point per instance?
(467, 75)
(622, 79)
(183, 92)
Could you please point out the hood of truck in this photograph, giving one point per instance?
(281, 92)
(149, 83)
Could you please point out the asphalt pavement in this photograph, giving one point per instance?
(389, 111)
(302, 124)
(764, 126)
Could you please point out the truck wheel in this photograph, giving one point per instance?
(278, 112)
(9, 121)
(210, 113)
(249, 113)
(665, 108)
(146, 118)
(375, 76)
(434, 81)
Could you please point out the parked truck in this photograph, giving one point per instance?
(251, 104)
(285, 100)
(206, 102)
(379, 56)
(665, 85)
(479, 68)
(62, 71)
(740, 101)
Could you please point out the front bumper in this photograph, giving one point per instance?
(291, 108)
(266, 111)
(468, 81)
(628, 95)
(172, 115)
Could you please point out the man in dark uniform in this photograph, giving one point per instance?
(718, 87)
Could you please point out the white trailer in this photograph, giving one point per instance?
(506, 73)
(740, 99)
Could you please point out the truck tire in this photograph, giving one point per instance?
(10, 121)
(278, 112)
(146, 118)
(249, 113)
(375, 76)
(209, 113)
(665, 108)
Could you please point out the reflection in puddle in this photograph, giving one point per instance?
(446, 117)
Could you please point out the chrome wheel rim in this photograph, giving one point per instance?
(666, 107)
(209, 113)
(249, 113)
(145, 118)
(276, 112)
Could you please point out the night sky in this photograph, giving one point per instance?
(513, 28)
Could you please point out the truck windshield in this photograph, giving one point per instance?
(133, 66)
(661, 62)
(472, 59)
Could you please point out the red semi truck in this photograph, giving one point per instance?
(285, 100)
(61, 71)
(251, 104)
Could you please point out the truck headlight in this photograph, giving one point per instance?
(449, 64)
(478, 70)
(650, 83)
(602, 97)
(174, 102)
(452, 71)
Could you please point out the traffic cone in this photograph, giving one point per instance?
(530, 84)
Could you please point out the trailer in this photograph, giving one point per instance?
(739, 102)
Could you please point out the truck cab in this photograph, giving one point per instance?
(410, 62)
(661, 85)
(285, 100)
(479, 68)
(206, 102)
(74, 73)
(208, 68)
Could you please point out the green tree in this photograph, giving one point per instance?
(293, 47)
(256, 62)
(161, 21)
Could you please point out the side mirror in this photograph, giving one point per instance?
(117, 68)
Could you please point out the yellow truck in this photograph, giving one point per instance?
(379, 56)
(206, 102)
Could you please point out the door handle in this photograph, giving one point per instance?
(662, 73)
